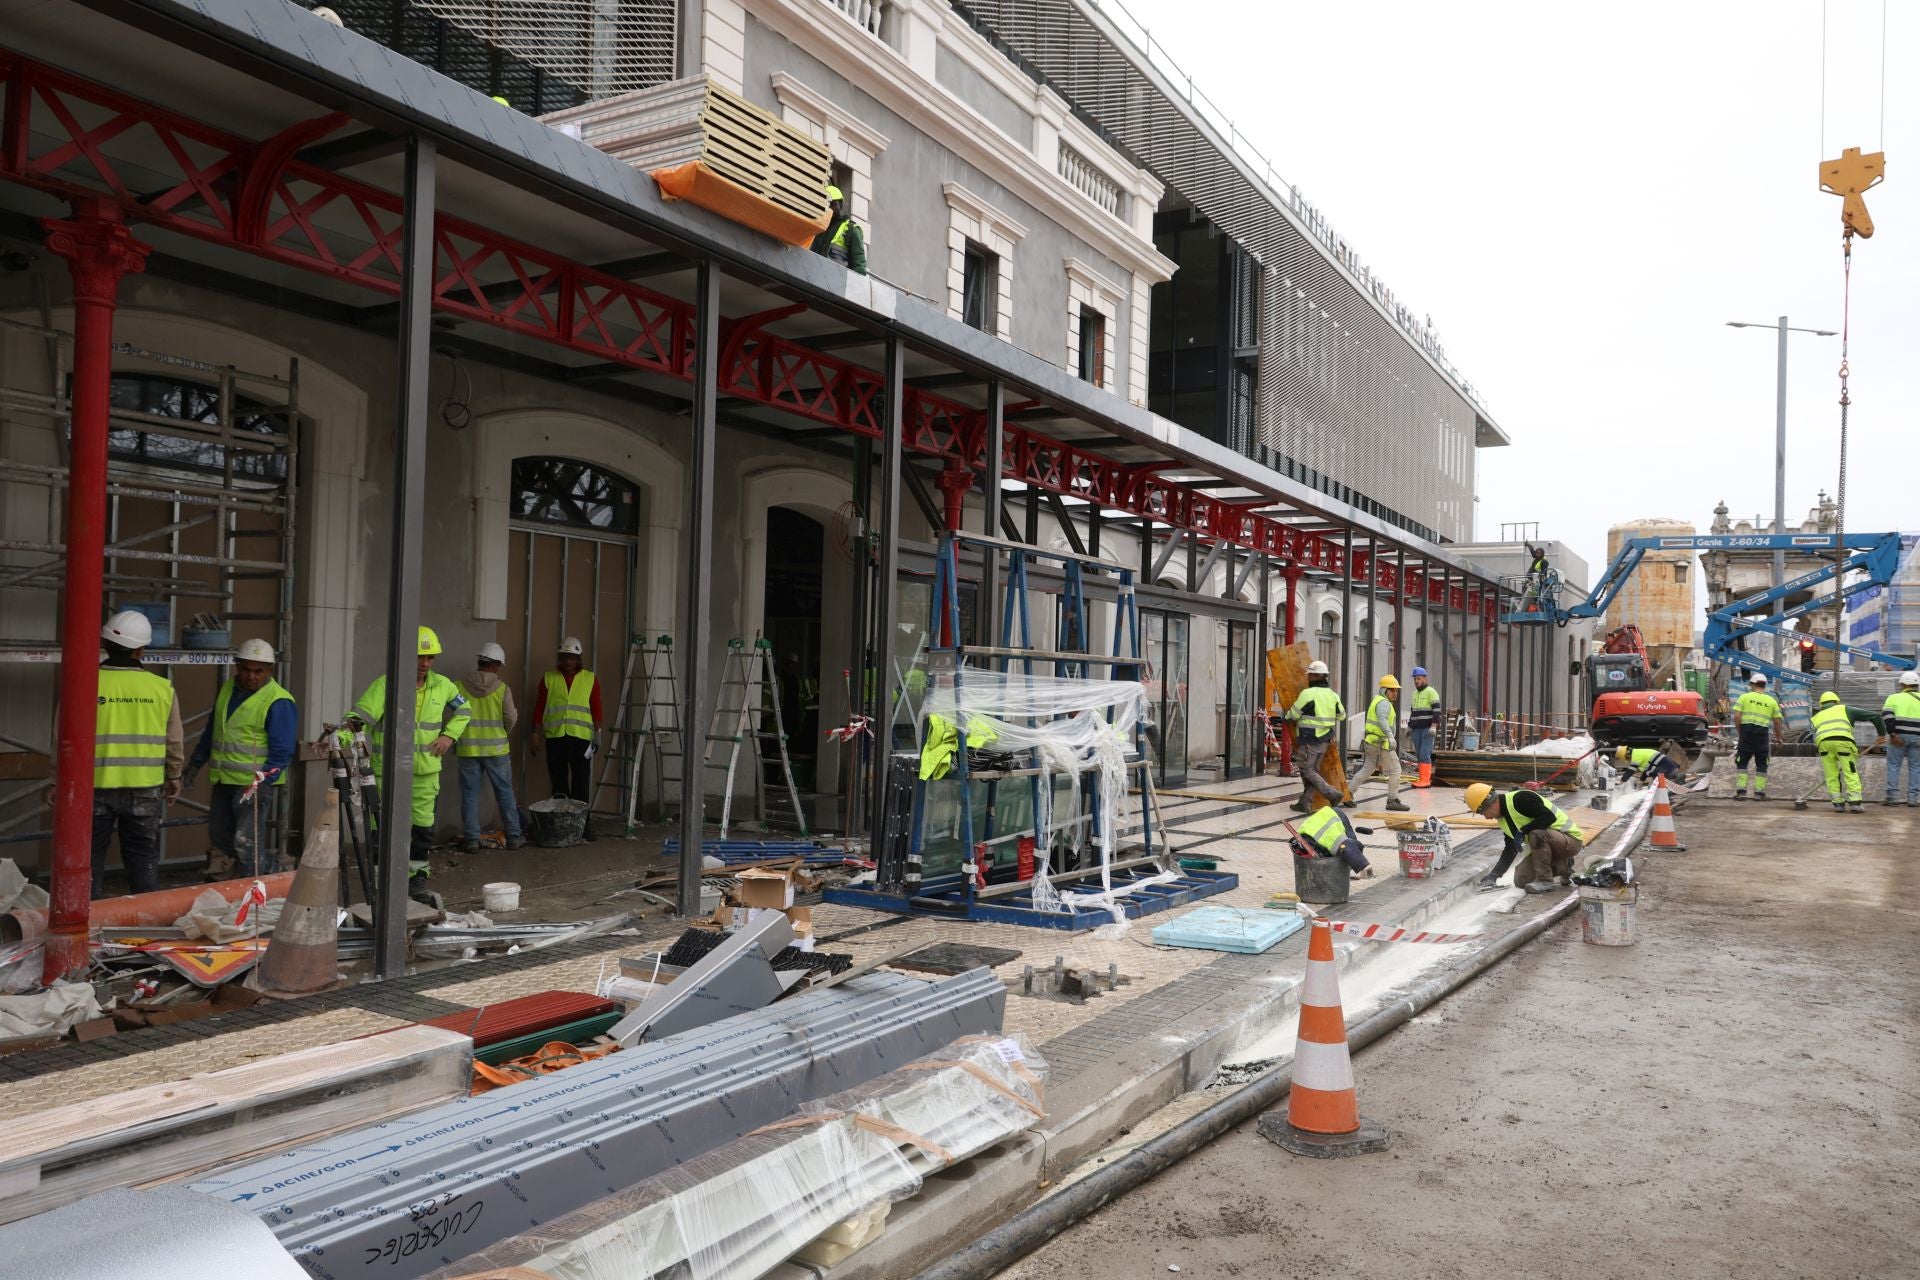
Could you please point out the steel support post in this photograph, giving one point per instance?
(1466, 612)
(414, 352)
(99, 250)
(1290, 629)
(887, 528)
(1437, 653)
(1488, 604)
(1399, 613)
(697, 578)
(1346, 631)
(859, 660)
(986, 610)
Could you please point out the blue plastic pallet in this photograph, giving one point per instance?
(948, 898)
(1246, 930)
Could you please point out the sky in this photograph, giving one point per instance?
(1581, 197)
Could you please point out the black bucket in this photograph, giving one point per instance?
(556, 823)
(1321, 880)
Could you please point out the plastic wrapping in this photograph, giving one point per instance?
(828, 1171)
(1073, 726)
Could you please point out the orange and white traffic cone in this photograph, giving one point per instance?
(1662, 834)
(1323, 1109)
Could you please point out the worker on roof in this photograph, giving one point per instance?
(1902, 713)
(1833, 722)
(843, 241)
(1423, 718)
(567, 714)
(486, 750)
(1317, 715)
(1760, 726)
(1642, 763)
(1383, 731)
(249, 741)
(138, 753)
(1530, 821)
(440, 716)
(1327, 833)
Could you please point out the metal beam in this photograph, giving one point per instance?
(697, 580)
(993, 515)
(1161, 560)
(403, 585)
(923, 498)
(1067, 525)
(887, 529)
(368, 145)
(1200, 575)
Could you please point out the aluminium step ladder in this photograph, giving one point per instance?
(746, 713)
(646, 731)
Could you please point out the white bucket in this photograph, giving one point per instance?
(1607, 916)
(501, 895)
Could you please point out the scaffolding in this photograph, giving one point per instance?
(202, 472)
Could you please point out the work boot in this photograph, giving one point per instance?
(1759, 795)
(472, 846)
(1854, 806)
(1398, 806)
(1741, 794)
(1891, 801)
(1838, 807)
(1913, 804)
(1301, 803)
(1487, 884)
(516, 842)
(1538, 886)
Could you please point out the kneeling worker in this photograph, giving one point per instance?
(1530, 820)
(1317, 713)
(1644, 763)
(1326, 833)
(1839, 754)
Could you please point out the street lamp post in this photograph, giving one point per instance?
(1780, 458)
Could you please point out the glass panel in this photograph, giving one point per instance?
(1240, 760)
(1174, 762)
(1153, 627)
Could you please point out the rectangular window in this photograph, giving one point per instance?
(979, 288)
(1093, 346)
(1680, 572)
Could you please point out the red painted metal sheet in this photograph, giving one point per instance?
(524, 1015)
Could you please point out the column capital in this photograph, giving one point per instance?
(98, 248)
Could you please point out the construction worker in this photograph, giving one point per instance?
(567, 715)
(1536, 577)
(138, 753)
(486, 752)
(843, 241)
(1328, 834)
(1383, 731)
(1761, 724)
(1902, 713)
(249, 741)
(1839, 753)
(439, 718)
(1317, 714)
(1423, 717)
(1645, 762)
(1528, 820)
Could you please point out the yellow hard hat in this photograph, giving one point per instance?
(835, 193)
(1477, 795)
(1388, 682)
(1622, 753)
(429, 643)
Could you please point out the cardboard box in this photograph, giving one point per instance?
(766, 887)
(801, 918)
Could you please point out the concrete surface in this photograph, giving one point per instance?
(1737, 1094)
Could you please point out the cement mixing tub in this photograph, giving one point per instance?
(1324, 881)
(1607, 916)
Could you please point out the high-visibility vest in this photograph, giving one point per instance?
(130, 729)
(1642, 758)
(1832, 722)
(837, 243)
(569, 711)
(240, 738)
(1381, 725)
(1425, 709)
(438, 707)
(1757, 708)
(486, 733)
(1512, 821)
(1903, 714)
(1318, 711)
(1323, 829)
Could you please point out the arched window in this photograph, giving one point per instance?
(158, 396)
(577, 495)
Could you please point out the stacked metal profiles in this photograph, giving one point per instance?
(524, 1015)
(738, 1212)
(400, 1198)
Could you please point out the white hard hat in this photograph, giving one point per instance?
(1316, 668)
(491, 652)
(1910, 678)
(129, 629)
(571, 645)
(1756, 678)
(255, 651)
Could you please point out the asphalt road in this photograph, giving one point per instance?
(1738, 1094)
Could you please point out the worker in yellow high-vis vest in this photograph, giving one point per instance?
(486, 750)
(139, 752)
(1528, 822)
(1383, 732)
(439, 718)
(1760, 726)
(567, 716)
(1317, 715)
(1902, 713)
(842, 240)
(247, 748)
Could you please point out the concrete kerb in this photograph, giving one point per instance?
(1088, 1112)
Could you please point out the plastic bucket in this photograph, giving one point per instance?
(1416, 864)
(1607, 916)
(1323, 880)
(1469, 741)
(501, 895)
(556, 824)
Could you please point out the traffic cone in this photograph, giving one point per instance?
(1323, 1110)
(304, 955)
(1663, 834)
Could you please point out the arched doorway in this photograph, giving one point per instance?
(792, 612)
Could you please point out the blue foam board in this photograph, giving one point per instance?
(1247, 930)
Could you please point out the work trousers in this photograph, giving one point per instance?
(237, 827)
(1422, 744)
(136, 813)
(1308, 755)
(567, 767)
(478, 774)
(1910, 756)
(1755, 744)
(1840, 763)
(1550, 856)
(1379, 760)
